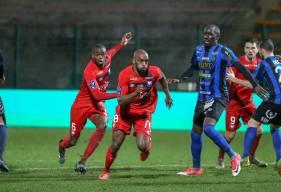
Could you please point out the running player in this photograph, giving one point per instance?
(137, 99)
(89, 103)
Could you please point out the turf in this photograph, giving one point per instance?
(31, 154)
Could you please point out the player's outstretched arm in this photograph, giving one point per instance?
(126, 38)
(124, 41)
(165, 87)
(187, 74)
(173, 80)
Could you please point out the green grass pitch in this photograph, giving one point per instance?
(31, 154)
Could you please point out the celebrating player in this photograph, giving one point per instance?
(241, 105)
(211, 60)
(89, 103)
(137, 99)
(268, 72)
(3, 125)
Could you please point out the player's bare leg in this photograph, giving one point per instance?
(228, 137)
(100, 122)
(118, 138)
(65, 143)
(144, 144)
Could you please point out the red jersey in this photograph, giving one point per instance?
(240, 93)
(95, 81)
(128, 82)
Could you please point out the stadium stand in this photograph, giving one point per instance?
(55, 37)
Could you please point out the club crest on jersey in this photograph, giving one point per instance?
(93, 84)
(119, 90)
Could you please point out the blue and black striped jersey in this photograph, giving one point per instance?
(211, 64)
(268, 73)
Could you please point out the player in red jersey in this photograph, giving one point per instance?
(137, 99)
(241, 104)
(89, 103)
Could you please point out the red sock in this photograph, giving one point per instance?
(93, 143)
(109, 159)
(254, 147)
(64, 143)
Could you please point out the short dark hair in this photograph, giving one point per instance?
(252, 40)
(267, 45)
(99, 46)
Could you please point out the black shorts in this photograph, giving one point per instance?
(268, 113)
(211, 109)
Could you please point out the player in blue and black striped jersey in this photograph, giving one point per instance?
(3, 126)
(211, 59)
(267, 73)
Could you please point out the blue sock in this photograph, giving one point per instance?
(249, 139)
(196, 147)
(3, 136)
(276, 140)
(218, 139)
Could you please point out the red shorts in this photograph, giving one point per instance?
(80, 115)
(141, 124)
(236, 111)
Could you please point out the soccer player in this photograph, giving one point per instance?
(137, 99)
(241, 105)
(3, 125)
(211, 60)
(268, 72)
(89, 103)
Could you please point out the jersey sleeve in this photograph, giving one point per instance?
(259, 72)
(94, 88)
(228, 56)
(194, 61)
(111, 52)
(122, 88)
(158, 73)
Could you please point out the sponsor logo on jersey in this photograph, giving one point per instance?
(100, 72)
(270, 114)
